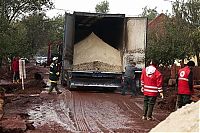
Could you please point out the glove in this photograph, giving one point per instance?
(142, 89)
(57, 73)
(161, 94)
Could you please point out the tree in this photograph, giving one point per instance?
(13, 33)
(190, 13)
(41, 31)
(37, 31)
(195, 43)
(102, 7)
(12, 9)
(13, 41)
(170, 43)
(149, 13)
(56, 32)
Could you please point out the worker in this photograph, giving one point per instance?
(54, 75)
(151, 82)
(129, 79)
(185, 84)
(15, 69)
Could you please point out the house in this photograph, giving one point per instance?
(157, 23)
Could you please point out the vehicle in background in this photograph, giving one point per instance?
(42, 61)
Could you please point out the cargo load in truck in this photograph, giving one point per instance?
(93, 54)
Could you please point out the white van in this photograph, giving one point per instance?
(41, 60)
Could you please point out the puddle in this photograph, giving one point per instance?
(49, 113)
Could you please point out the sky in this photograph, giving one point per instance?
(127, 7)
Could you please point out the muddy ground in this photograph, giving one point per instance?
(33, 110)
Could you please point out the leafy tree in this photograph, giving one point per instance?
(169, 44)
(13, 34)
(195, 43)
(102, 7)
(12, 9)
(57, 29)
(190, 13)
(56, 32)
(149, 13)
(36, 31)
(41, 31)
(13, 41)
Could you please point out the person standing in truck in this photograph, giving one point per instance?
(185, 84)
(54, 75)
(129, 79)
(151, 82)
(15, 69)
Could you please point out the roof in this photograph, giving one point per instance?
(157, 21)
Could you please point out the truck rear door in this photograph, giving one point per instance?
(135, 43)
(67, 57)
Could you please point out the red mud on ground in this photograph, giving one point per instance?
(34, 111)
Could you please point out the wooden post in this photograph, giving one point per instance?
(22, 71)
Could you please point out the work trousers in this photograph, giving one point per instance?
(183, 99)
(15, 76)
(149, 102)
(129, 84)
(53, 85)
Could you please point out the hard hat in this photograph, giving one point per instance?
(55, 58)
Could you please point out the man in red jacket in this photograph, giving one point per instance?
(15, 68)
(151, 82)
(185, 84)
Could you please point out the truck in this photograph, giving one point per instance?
(126, 34)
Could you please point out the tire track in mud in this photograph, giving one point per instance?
(99, 111)
(92, 113)
(79, 116)
(84, 120)
(94, 123)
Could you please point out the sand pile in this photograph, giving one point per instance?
(185, 119)
(92, 53)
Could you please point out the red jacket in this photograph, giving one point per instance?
(151, 81)
(183, 79)
(15, 65)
